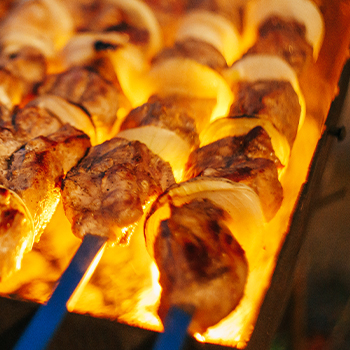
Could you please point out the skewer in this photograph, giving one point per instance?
(48, 318)
(175, 330)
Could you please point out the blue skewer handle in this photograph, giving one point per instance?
(175, 330)
(49, 316)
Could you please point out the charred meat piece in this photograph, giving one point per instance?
(247, 159)
(275, 101)
(166, 114)
(31, 180)
(106, 192)
(201, 264)
(35, 171)
(285, 39)
(23, 125)
(199, 51)
(87, 89)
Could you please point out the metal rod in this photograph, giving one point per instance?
(175, 330)
(48, 318)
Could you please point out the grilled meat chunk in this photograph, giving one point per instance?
(248, 159)
(23, 125)
(31, 179)
(35, 171)
(166, 114)
(199, 51)
(275, 101)
(106, 192)
(201, 264)
(285, 39)
(87, 89)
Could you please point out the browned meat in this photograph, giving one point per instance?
(198, 109)
(23, 125)
(272, 100)
(199, 51)
(285, 39)
(165, 114)
(106, 192)
(88, 90)
(248, 159)
(201, 264)
(31, 179)
(35, 171)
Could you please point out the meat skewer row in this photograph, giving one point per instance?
(105, 195)
(244, 154)
(45, 115)
(79, 96)
(31, 34)
(42, 116)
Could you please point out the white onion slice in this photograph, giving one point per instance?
(302, 11)
(226, 127)
(266, 67)
(165, 143)
(240, 202)
(213, 29)
(81, 47)
(143, 17)
(67, 113)
(62, 22)
(182, 76)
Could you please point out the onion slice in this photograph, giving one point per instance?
(303, 11)
(143, 17)
(213, 29)
(81, 47)
(240, 202)
(67, 113)
(182, 76)
(163, 142)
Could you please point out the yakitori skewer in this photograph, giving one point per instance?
(177, 229)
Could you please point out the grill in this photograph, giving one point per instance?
(87, 332)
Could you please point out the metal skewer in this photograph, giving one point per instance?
(48, 318)
(175, 330)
